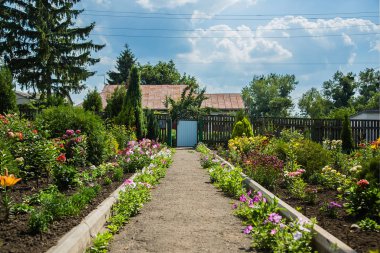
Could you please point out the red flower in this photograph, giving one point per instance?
(362, 145)
(77, 131)
(362, 183)
(35, 131)
(61, 158)
(20, 136)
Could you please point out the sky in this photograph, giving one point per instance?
(225, 43)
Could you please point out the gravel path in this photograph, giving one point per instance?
(186, 214)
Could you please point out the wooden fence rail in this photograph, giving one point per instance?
(218, 129)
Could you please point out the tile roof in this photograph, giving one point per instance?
(153, 97)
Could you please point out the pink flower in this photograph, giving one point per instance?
(234, 206)
(77, 131)
(273, 231)
(274, 218)
(243, 198)
(249, 193)
(69, 132)
(362, 183)
(247, 230)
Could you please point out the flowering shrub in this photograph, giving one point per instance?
(265, 169)
(331, 209)
(73, 144)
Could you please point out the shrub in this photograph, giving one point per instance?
(312, 157)
(122, 135)
(152, 123)
(346, 136)
(65, 176)
(7, 95)
(371, 170)
(241, 128)
(93, 102)
(115, 102)
(111, 146)
(57, 119)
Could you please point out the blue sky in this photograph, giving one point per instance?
(224, 43)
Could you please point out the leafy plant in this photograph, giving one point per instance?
(65, 176)
(369, 225)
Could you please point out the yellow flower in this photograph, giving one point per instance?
(9, 181)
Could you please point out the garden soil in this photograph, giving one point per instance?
(186, 214)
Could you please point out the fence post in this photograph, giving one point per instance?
(200, 130)
(169, 137)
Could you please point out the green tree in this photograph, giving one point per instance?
(123, 66)
(164, 73)
(7, 94)
(44, 48)
(152, 123)
(369, 88)
(93, 102)
(340, 90)
(189, 105)
(132, 114)
(269, 95)
(242, 127)
(313, 105)
(115, 102)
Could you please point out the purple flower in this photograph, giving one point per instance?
(274, 218)
(249, 193)
(273, 231)
(234, 206)
(247, 230)
(251, 203)
(243, 198)
(297, 235)
(333, 204)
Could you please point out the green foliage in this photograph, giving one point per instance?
(65, 176)
(93, 102)
(363, 201)
(48, 54)
(189, 105)
(118, 174)
(269, 95)
(369, 225)
(64, 117)
(152, 125)
(311, 156)
(229, 180)
(242, 128)
(371, 170)
(340, 90)
(346, 136)
(369, 90)
(100, 243)
(132, 114)
(7, 94)
(115, 102)
(124, 63)
(313, 105)
(122, 135)
(340, 113)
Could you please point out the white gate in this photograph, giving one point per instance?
(187, 133)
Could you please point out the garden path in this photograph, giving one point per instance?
(186, 214)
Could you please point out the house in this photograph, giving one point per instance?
(153, 97)
(373, 114)
(23, 98)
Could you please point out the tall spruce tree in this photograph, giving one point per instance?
(7, 95)
(44, 48)
(131, 113)
(123, 66)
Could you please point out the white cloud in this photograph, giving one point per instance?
(212, 8)
(106, 3)
(161, 4)
(108, 61)
(375, 46)
(347, 40)
(352, 58)
(239, 45)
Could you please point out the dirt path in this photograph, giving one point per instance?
(186, 214)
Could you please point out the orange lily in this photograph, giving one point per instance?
(9, 181)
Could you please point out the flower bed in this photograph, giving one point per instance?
(269, 230)
(58, 185)
(340, 190)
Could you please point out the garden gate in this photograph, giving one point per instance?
(187, 133)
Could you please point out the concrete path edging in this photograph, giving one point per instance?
(323, 241)
(79, 238)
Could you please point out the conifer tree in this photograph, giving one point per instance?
(7, 95)
(132, 114)
(93, 102)
(346, 136)
(124, 64)
(44, 48)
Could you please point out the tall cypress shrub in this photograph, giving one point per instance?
(132, 114)
(346, 136)
(153, 127)
(7, 95)
(93, 102)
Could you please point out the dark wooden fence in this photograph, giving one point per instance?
(218, 129)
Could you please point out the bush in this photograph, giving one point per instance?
(58, 119)
(93, 102)
(65, 176)
(241, 128)
(115, 102)
(312, 157)
(122, 135)
(371, 170)
(152, 124)
(346, 136)
(7, 95)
